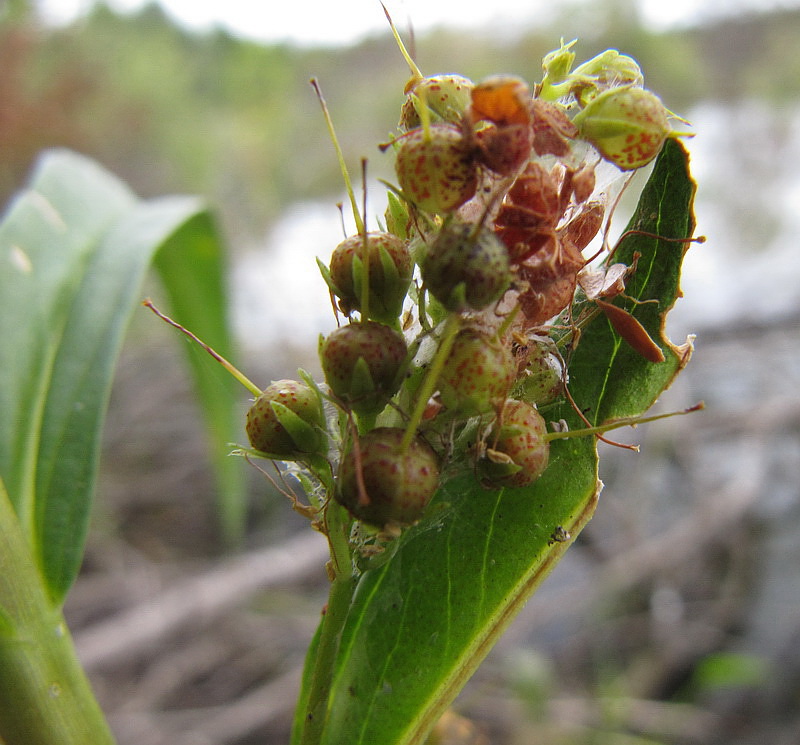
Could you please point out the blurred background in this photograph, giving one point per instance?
(675, 618)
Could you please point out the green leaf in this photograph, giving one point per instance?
(75, 248)
(420, 624)
(46, 696)
(609, 378)
(192, 269)
(46, 239)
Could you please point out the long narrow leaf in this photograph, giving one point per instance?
(81, 244)
(191, 267)
(46, 240)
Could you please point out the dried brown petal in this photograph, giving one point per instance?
(552, 129)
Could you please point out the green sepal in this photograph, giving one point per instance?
(396, 216)
(326, 275)
(361, 384)
(357, 273)
(494, 471)
(307, 437)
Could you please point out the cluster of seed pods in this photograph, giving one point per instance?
(444, 356)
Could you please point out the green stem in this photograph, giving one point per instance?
(339, 599)
(628, 421)
(360, 229)
(426, 390)
(45, 698)
(238, 374)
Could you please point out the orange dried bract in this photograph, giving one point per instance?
(533, 207)
(534, 198)
(583, 182)
(522, 243)
(503, 100)
(544, 300)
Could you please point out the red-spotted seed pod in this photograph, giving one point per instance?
(627, 125)
(466, 267)
(390, 270)
(517, 451)
(478, 373)
(382, 483)
(362, 363)
(287, 421)
(436, 168)
(447, 97)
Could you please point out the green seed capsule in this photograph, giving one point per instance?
(466, 267)
(446, 96)
(517, 452)
(287, 421)
(436, 169)
(478, 373)
(390, 270)
(397, 484)
(627, 125)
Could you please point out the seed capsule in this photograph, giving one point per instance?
(627, 125)
(287, 421)
(466, 267)
(390, 270)
(436, 170)
(397, 485)
(478, 373)
(542, 377)
(446, 96)
(517, 452)
(362, 363)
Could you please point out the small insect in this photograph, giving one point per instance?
(559, 535)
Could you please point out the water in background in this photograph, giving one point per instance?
(748, 206)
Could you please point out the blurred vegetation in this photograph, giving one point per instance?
(236, 120)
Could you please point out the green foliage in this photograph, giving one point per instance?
(419, 625)
(76, 246)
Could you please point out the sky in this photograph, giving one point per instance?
(346, 21)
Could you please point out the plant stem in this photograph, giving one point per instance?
(360, 229)
(339, 598)
(628, 421)
(451, 328)
(238, 374)
(45, 698)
